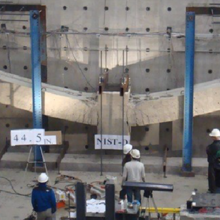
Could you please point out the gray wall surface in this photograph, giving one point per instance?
(154, 61)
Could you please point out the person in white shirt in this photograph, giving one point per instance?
(134, 171)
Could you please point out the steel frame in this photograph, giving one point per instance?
(189, 86)
(191, 13)
(38, 59)
(212, 10)
(36, 76)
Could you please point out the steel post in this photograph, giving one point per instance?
(80, 201)
(188, 97)
(110, 201)
(36, 76)
(43, 47)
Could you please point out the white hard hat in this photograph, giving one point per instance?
(215, 133)
(43, 178)
(127, 148)
(135, 154)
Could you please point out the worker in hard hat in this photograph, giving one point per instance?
(134, 171)
(43, 199)
(127, 158)
(217, 172)
(211, 151)
(126, 151)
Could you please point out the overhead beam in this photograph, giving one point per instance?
(204, 10)
(21, 7)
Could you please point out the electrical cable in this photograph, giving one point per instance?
(117, 33)
(70, 187)
(75, 32)
(8, 54)
(70, 49)
(104, 14)
(14, 191)
(126, 13)
(119, 50)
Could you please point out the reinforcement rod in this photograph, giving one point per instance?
(101, 156)
(122, 106)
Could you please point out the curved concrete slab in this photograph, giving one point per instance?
(84, 108)
(168, 105)
(57, 102)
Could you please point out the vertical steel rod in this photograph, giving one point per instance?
(188, 98)
(101, 170)
(8, 53)
(101, 63)
(123, 57)
(101, 134)
(122, 142)
(126, 56)
(117, 52)
(122, 126)
(43, 44)
(36, 77)
(106, 57)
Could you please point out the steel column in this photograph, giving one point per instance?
(188, 97)
(43, 43)
(80, 201)
(110, 201)
(36, 76)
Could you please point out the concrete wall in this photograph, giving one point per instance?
(81, 137)
(155, 62)
(163, 58)
(12, 118)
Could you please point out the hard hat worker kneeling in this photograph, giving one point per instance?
(134, 171)
(43, 199)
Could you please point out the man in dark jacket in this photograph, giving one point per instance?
(217, 172)
(211, 151)
(43, 199)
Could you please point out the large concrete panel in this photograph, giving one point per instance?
(156, 63)
(84, 108)
(87, 30)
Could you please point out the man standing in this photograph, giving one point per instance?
(217, 172)
(134, 171)
(126, 151)
(43, 199)
(127, 158)
(211, 151)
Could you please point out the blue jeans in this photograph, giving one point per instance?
(137, 195)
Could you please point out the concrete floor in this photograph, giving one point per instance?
(111, 163)
(19, 207)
